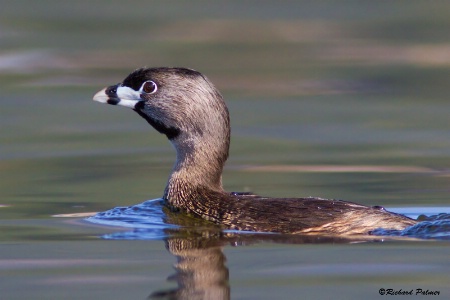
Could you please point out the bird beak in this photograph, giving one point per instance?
(124, 96)
(101, 96)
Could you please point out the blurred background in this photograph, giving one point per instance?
(336, 99)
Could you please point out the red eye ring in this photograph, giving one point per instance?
(149, 87)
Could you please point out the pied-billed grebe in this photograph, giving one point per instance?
(185, 106)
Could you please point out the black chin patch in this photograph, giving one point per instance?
(170, 132)
(113, 101)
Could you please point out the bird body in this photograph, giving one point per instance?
(185, 106)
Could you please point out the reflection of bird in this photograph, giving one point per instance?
(200, 269)
(185, 106)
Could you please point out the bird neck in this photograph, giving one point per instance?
(199, 165)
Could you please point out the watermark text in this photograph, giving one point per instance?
(412, 292)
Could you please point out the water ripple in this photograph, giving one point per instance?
(146, 215)
(434, 227)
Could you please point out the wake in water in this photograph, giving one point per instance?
(148, 214)
(432, 227)
(151, 220)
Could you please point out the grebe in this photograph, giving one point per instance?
(185, 106)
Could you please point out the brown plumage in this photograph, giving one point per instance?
(185, 106)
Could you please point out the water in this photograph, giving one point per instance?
(326, 99)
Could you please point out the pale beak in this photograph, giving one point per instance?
(101, 96)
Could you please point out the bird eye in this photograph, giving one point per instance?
(149, 87)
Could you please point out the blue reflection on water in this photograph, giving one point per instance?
(147, 219)
(149, 215)
(434, 223)
(150, 222)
